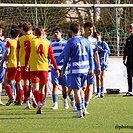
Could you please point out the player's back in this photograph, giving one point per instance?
(39, 53)
(12, 61)
(79, 54)
(24, 42)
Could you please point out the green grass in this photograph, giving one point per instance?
(105, 114)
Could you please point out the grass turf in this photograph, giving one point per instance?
(105, 114)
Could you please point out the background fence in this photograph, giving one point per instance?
(112, 22)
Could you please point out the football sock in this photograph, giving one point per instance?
(79, 106)
(9, 91)
(13, 89)
(72, 99)
(55, 98)
(98, 90)
(65, 96)
(42, 98)
(20, 92)
(26, 92)
(86, 104)
(102, 89)
(36, 96)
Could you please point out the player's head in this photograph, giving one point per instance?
(14, 33)
(88, 28)
(98, 35)
(131, 28)
(82, 31)
(74, 28)
(57, 32)
(27, 27)
(1, 29)
(39, 32)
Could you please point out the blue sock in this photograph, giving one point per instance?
(0, 94)
(13, 89)
(55, 98)
(65, 96)
(86, 104)
(79, 106)
(98, 90)
(102, 89)
(72, 99)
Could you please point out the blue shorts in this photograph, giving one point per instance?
(75, 81)
(2, 74)
(60, 80)
(90, 80)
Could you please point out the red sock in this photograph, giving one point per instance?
(20, 92)
(37, 96)
(9, 91)
(42, 98)
(26, 92)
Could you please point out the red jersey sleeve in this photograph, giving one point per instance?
(51, 55)
(8, 44)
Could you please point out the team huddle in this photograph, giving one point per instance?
(28, 58)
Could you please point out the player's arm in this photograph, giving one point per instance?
(91, 62)
(6, 55)
(66, 55)
(96, 56)
(106, 48)
(51, 56)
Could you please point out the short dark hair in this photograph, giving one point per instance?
(27, 26)
(75, 27)
(57, 28)
(14, 33)
(88, 24)
(39, 31)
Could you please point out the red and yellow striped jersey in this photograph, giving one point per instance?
(40, 49)
(12, 61)
(23, 44)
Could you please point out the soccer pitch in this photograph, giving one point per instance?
(111, 114)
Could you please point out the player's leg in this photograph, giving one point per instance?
(1, 103)
(19, 88)
(55, 82)
(9, 77)
(2, 74)
(65, 96)
(25, 77)
(103, 73)
(43, 80)
(88, 92)
(98, 84)
(72, 102)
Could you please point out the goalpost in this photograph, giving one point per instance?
(111, 19)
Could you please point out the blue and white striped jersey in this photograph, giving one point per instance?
(104, 52)
(2, 51)
(79, 54)
(58, 46)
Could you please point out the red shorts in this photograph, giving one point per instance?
(11, 73)
(18, 76)
(25, 75)
(39, 77)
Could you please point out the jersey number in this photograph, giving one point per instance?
(40, 50)
(82, 49)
